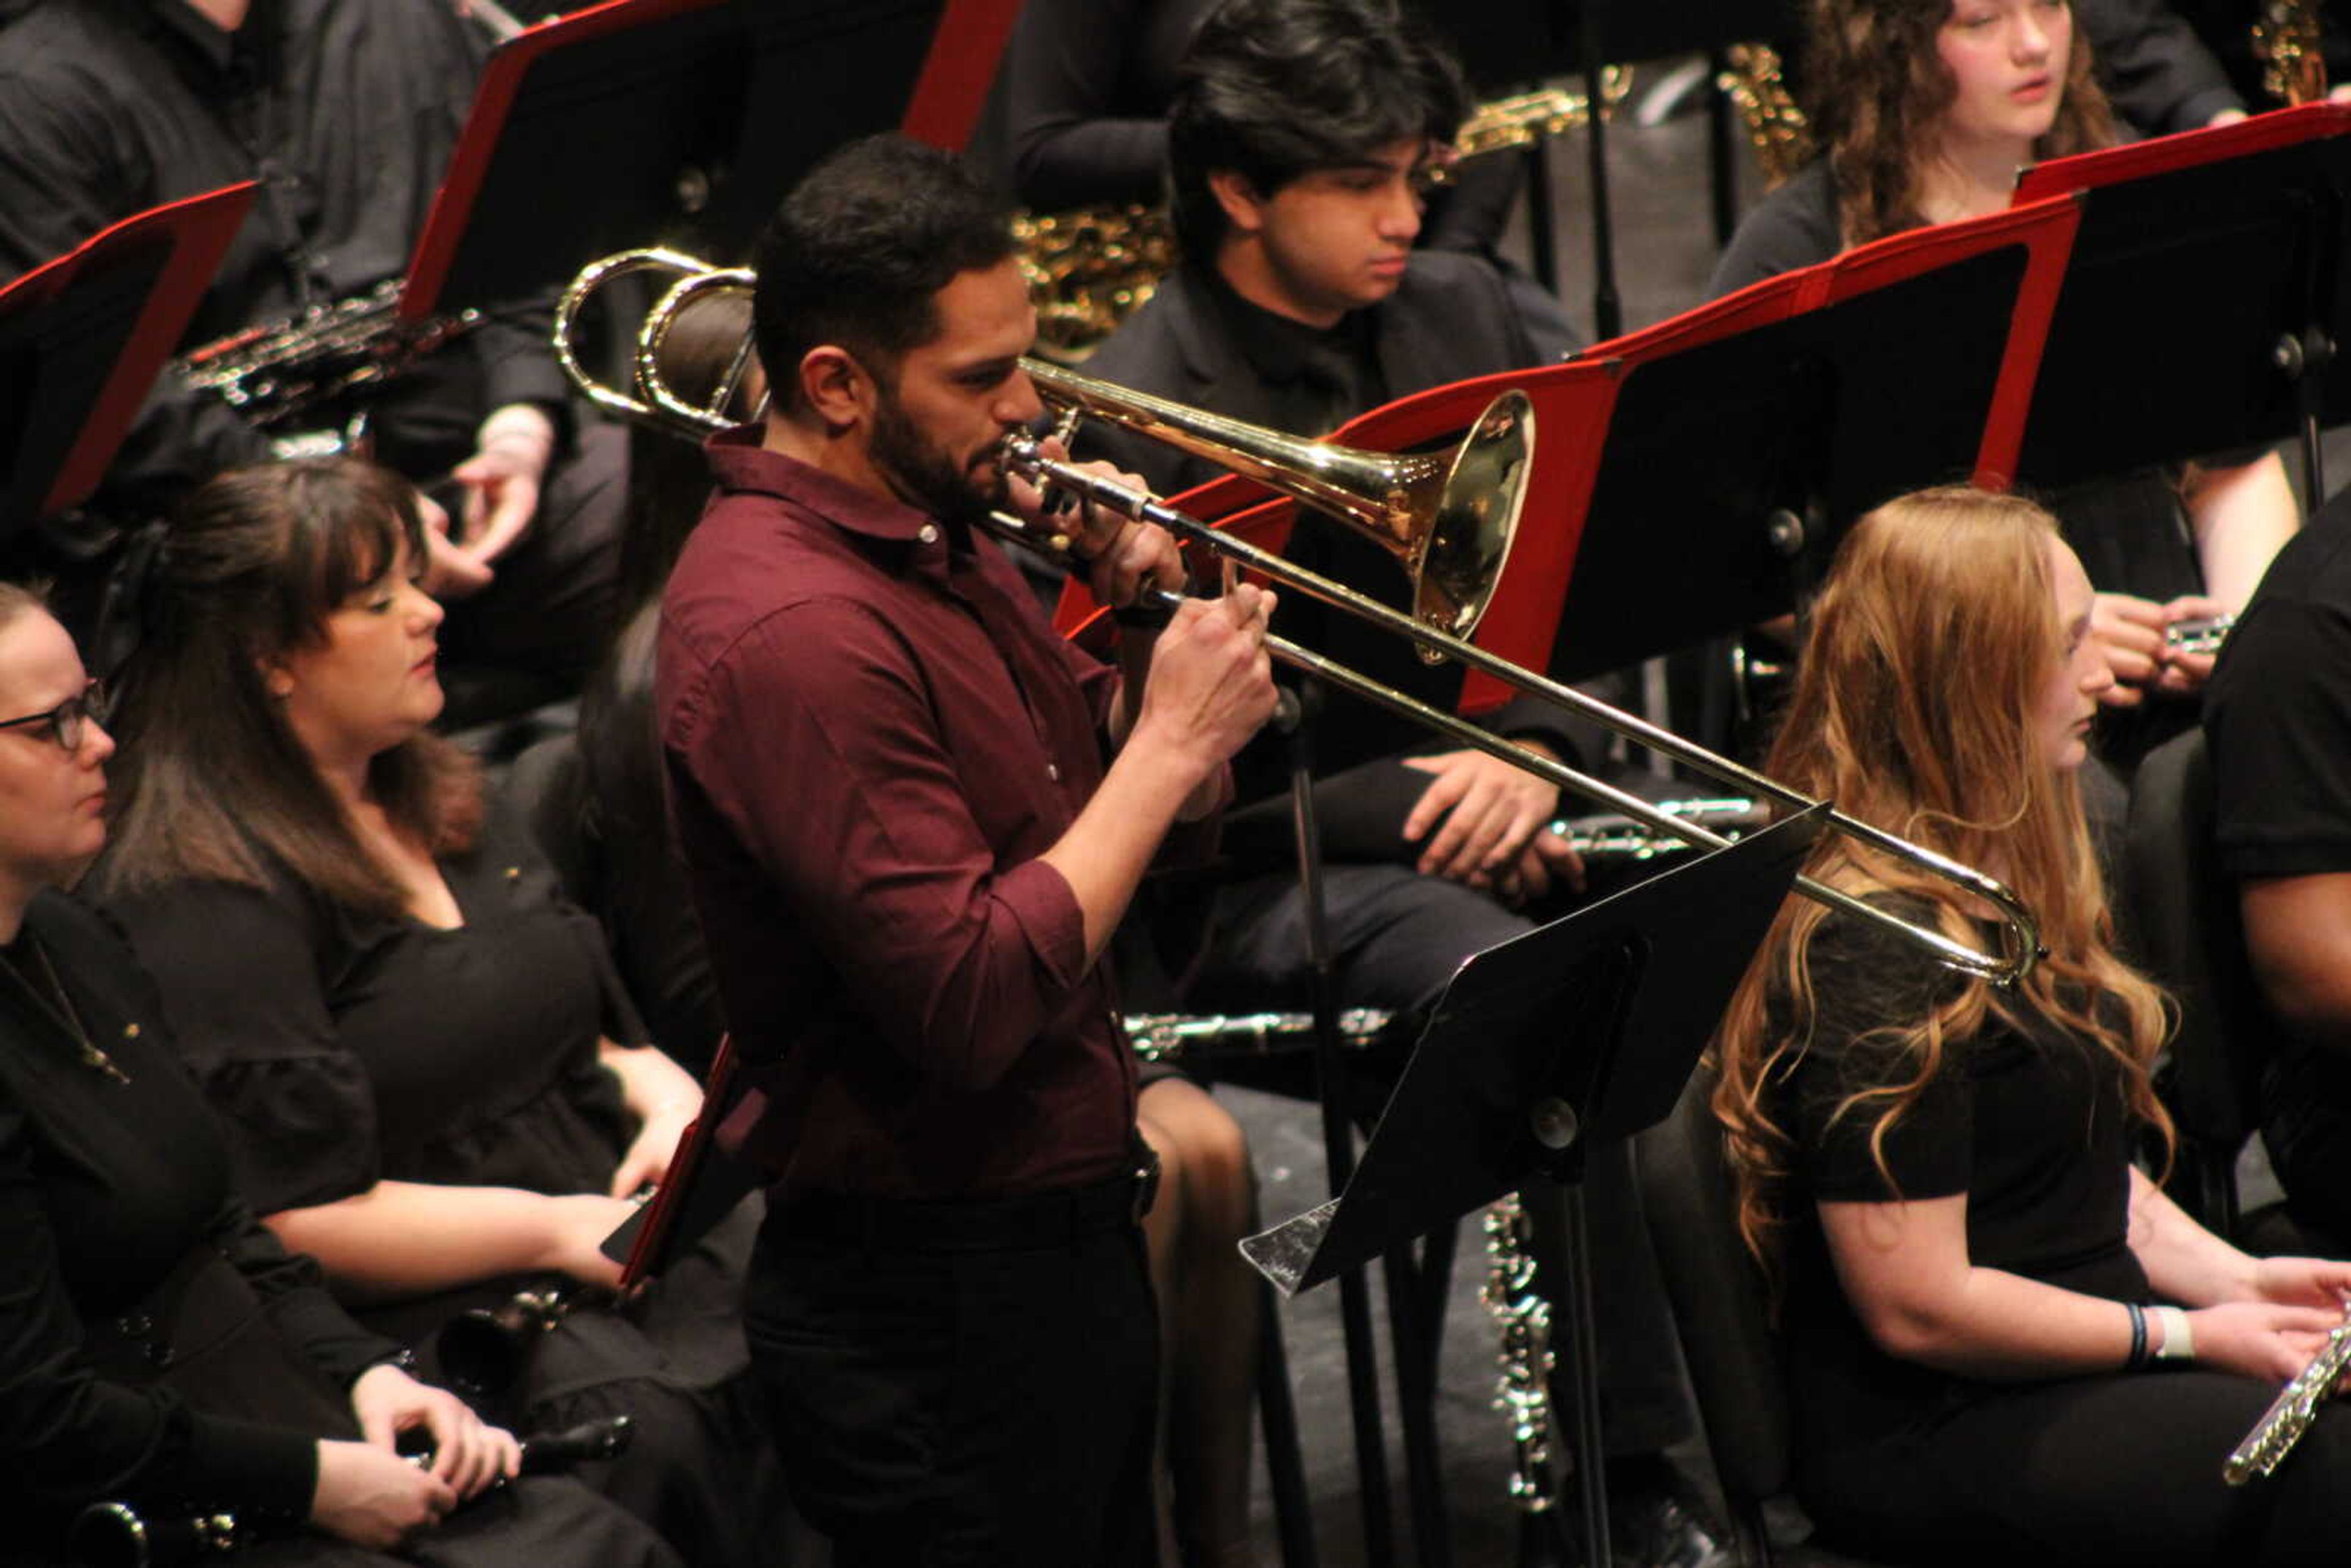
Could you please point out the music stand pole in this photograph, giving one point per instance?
(2305, 357)
(1722, 147)
(1582, 1029)
(1297, 724)
(1542, 215)
(1607, 311)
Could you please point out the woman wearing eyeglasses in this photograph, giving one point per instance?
(429, 1078)
(158, 1347)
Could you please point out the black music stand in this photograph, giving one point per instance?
(1583, 1029)
(2205, 302)
(1752, 454)
(82, 339)
(1578, 1030)
(680, 122)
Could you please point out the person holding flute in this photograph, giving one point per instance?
(2005, 1343)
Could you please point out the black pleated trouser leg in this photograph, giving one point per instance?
(943, 1404)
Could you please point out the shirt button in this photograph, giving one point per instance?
(928, 533)
(1053, 771)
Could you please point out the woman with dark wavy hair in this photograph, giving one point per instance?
(158, 1348)
(1924, 111)
(428, 1077)
(2005, 1343)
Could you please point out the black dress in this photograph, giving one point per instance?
(342, 1050)
(157, 1347)
(1898, 1459)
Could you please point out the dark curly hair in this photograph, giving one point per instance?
(1876, 86)
(859, 249)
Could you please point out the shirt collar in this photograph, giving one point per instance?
(194, 30)
(1282, 349)
(740, 463)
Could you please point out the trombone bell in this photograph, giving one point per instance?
(1448, 517)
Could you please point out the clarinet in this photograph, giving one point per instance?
(1522, 1353)
(484, 1351)
(2291, 1413)
(117, 1535)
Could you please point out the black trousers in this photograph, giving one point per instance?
(938, 1404)
(2122, 1470)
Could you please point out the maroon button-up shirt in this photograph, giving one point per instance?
(871, 734)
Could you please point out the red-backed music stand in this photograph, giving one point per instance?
(681, 120)
(1585, 535)
(704, 1181)
(655, 72)
(84, 336)
(2204, 300)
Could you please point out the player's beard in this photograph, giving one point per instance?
(923, 475)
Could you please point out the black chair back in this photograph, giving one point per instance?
(2179, 910)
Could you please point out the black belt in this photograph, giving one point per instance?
(1029, 1221)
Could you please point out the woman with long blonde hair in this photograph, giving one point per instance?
(2005, 1343)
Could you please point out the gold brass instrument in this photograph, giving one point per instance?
(2020, 939)
(1446, 518)
(281, 372)
(2286, 40)
(1776, 128)
(2291, 1413)
(1456, 505)
(1507, 123)
(1090, 268)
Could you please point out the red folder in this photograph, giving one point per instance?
(98, 322)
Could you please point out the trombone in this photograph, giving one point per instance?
(1448, 517)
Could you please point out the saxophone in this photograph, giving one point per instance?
(1781, 135)
(1521, 121)
(2286, 42)
(281, 372)
(2291, 1413)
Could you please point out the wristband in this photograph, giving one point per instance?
(2138, 1336)
(2179, 1338)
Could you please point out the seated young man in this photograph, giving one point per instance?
(1299, 149)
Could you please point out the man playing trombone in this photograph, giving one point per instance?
(907, 852)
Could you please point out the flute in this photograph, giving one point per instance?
(2291, 1413)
